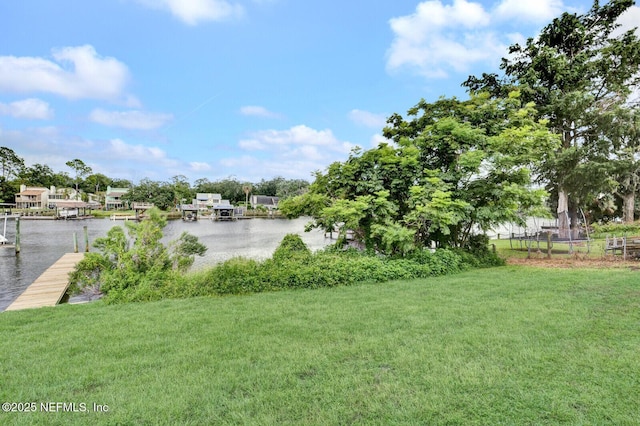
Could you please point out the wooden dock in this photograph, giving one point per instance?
(49, 288)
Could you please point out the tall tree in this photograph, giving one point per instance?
(455, 167)
(40, 175)
(578, 69)
(81, 170)
(10, 164)
(96, 182)
(181, 189)
(161, 194)
(625, 137)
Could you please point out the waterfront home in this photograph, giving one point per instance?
(113, 198)
(32, 197)
(35, 197)
(59, 194)
(206, 200)
(266, 201)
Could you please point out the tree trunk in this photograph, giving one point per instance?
(628, 208)
(563, 218)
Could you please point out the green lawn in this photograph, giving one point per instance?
(509, 345)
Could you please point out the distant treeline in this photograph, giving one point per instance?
(164, 194)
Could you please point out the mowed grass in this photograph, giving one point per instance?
(510, 345)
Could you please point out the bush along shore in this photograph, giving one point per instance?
(141, 268)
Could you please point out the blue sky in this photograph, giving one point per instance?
(245, 88)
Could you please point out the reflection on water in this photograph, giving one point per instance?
(45, 241)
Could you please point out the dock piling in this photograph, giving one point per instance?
(86, 239)
(17, 235)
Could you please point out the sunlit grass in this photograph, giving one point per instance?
(559, 250)
(499, 346)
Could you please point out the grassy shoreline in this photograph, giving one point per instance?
(509, 345)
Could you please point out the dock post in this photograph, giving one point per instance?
(86, 239)
(75, 242)
(17, 235)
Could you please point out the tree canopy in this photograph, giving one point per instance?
(453, 167)
(580, 72)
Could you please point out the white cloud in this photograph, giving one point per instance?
(541, 11)
(77, 73)
(258, 111)
(378, 139)
(138, 120)
(31, 109)
(368, 119)
(192, 12)
(439, 39)
(292, 153)
(630, 19)
(123, 150)
(199, 167)
(254, 168)
(296, 136)
(431, 42)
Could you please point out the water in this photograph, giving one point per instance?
(43, 242)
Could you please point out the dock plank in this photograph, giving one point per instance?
(49, 288)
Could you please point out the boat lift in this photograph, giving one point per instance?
(4, 241)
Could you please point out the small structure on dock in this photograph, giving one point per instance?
(223, 212)
(5, 208)
(69, 209)
(189, 212)
(140, 208)
(4, 241)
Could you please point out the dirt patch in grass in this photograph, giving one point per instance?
(579, 261)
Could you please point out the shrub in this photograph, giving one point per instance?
(291, 248)
(292, 266)
(138, 267)
(617, 229)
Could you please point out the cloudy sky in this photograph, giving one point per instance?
(245, 88)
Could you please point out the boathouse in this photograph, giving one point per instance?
(223, 212)
(189, 212)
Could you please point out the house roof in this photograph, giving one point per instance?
(32, 191)
(70, 204)
(266, 200)
(202, 196)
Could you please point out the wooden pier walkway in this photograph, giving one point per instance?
(49, 288)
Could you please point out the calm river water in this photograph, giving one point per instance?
(44, 241)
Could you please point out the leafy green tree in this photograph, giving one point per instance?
(229, 188)
(121, 183)
(280, 187)
(44, 176)
(81, 170)
(8, 190)
(625, 138)
(455, 167)
(181, 189)
(10, 163)
(577, 71)
(161, 194)
(184, 250)
(126, 267)
(96, 182)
